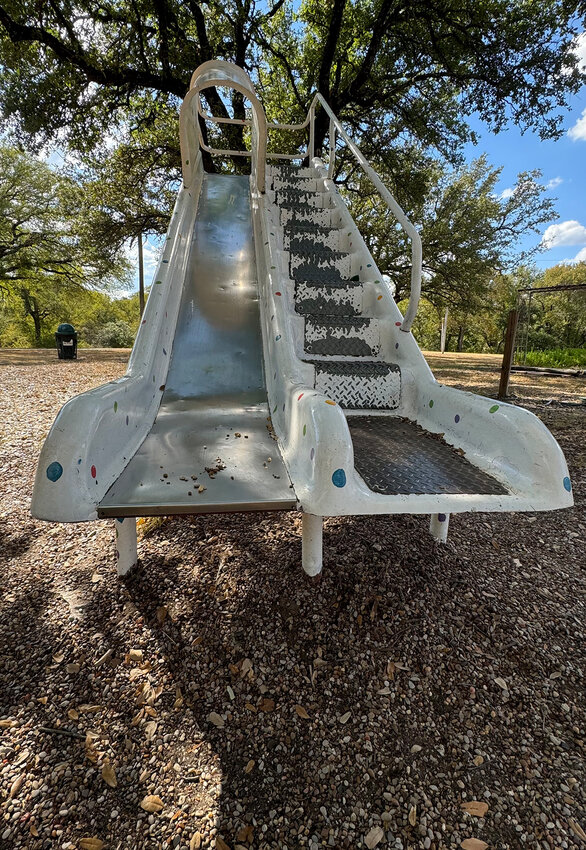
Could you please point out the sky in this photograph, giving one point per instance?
(563, 166)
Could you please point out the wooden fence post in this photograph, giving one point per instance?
(508, 353)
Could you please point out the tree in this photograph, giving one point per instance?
(71, 70)
(46, 250)
(469, 233)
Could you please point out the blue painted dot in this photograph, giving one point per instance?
(457, 417)
(165, 261)
(164, 352)
(278, 337)
(120, 519)
(339, 478)
(396, 345)
(441, 517)
(79, 461)
(54, 471)
(568, 484)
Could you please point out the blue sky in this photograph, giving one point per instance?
(562, 163)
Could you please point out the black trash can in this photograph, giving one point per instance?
(66, 337)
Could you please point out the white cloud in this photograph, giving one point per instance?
(566, 233)
(554, 182)
(580, 256)
(578, 131)
(506, 193)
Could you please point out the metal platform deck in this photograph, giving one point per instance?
(212, 428)
(395, 456)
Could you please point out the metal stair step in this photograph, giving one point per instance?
(305, 214)
(312, 235)
(368, 385)
(283, 170)
(350, 337)
(305, 184)
(341, 298)
(302, 263)
(301, 197)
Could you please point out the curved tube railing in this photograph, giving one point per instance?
(212, 74)
(219, 73)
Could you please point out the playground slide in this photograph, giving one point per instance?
(273, 370)
(187, 429)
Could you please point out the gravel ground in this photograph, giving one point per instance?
(422, 696)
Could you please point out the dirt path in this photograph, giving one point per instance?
(422, 695)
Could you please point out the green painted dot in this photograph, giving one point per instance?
(158, 281)
(494, 408)
(186, 162)
(431, 402)
(304, 430)
(115, 406)
(275, 408)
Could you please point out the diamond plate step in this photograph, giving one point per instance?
(289, 171)
(305, 184)
(341, 298)
(306, 214)
(302, 262)
(396, 456)
(293, 197)
(350, 337)
(359, 386)
(314, 235)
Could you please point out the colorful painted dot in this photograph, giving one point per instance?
(457, 418)
(378, 298)
(79, 461)
(120, 519)
(277, 293)
(165, 261)
(283, 407)
(494, 408)
(278, 337)
(431, 402)
(369, 265)
(54, 471)
(275, 376)
(339, 478)
(567, 484)
(396, 345)
(164, 352)
(312, 454)
(304, 430)
(329, 401)
(398, 324)
(115, 406)
(186, 162)
(441, 517)
(275, 408)
(127, 420)
(300, 396)
(158, 281)
(144, 321)
(93, 471)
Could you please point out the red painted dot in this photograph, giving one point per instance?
(299, 397)
(277, 293)
(398, 324)
(93, 471)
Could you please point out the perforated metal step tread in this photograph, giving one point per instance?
(395, 456)
(345, 369)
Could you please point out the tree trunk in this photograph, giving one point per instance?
(460, 338)
(31, 308)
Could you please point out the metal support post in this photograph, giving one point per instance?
(438, 527)
(508, 353)
(311, 544)
(126, 557)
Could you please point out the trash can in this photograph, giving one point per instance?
(66, 337)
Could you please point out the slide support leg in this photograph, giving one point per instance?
(438, 527)
(125, 528)
(311, 544)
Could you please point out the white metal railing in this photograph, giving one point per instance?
(219, 73)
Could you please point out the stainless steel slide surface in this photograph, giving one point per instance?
(212, 430)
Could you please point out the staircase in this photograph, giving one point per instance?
(340, 339)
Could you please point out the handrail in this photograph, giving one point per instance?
(212, 74)
(408, 227)
(220, 73)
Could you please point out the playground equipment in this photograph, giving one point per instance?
(274, 371)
